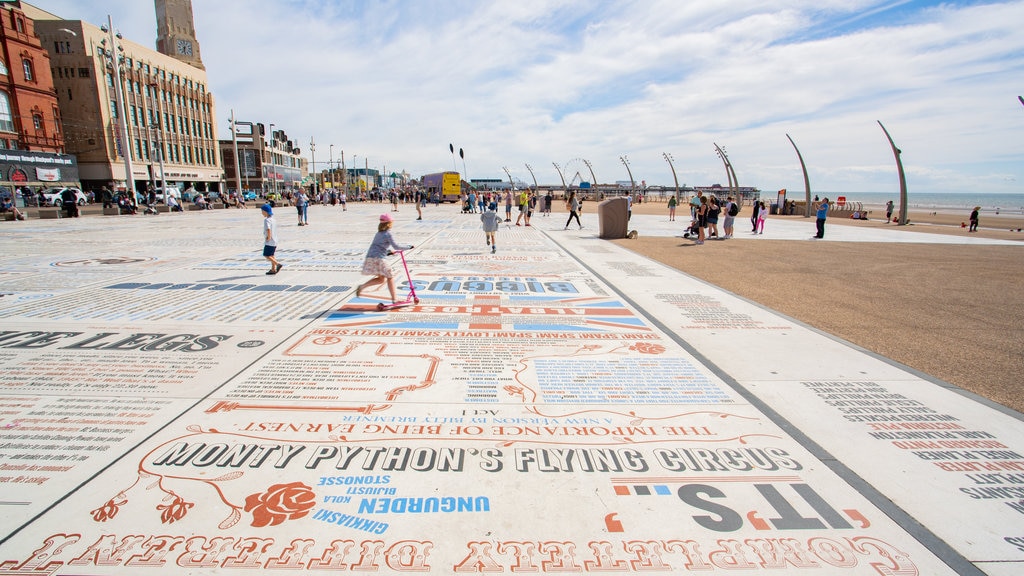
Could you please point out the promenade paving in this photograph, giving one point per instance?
(563, 405)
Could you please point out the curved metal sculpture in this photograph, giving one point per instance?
(807, 181)
(902, 218)
(730, 173)
(668, 158)
(559, 170)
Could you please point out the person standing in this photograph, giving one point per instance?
(702, 219)
(762, 215)
(714, 210)
(821, 211)
(547, 203)
(301, 205)
(888, 211)
(69, 202)
(731, 209)
(672, 208)
(270, 239)
(508, 205)
(489, 218)
(573, 206)
(521, 201)
(374, 264)
(974, 219)
(695, 204)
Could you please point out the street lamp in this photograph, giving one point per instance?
(234, 144)
(155, 85)
(632, 183)
(330, 164)
(558, 169)
(114, 59)
(530, 170)
(730, 173)
(668, 158)
(312, 152)
(273, 161)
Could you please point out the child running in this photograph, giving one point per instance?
(374, 264)
(270, 239)
(490, 221)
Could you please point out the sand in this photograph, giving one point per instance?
(955, 312)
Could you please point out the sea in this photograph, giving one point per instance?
(991, 203)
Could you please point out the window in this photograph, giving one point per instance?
(6, 120)
(83, 72)
(3, 68)
(26, 65)
(37, 121)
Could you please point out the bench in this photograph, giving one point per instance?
(49, 213)
(112, 211)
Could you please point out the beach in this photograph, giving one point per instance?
(955, 312)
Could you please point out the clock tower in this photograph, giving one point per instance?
(176, 31)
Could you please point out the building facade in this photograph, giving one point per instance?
(31, 131)
(265, 164)
(169, 111)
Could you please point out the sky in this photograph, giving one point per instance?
(523, 85)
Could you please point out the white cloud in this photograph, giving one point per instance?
(537, 81)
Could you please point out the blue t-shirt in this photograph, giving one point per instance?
(822, 211)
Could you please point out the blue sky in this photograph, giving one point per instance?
(541, 81)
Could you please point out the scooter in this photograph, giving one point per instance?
(410, 298)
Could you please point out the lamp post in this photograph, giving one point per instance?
(565, 189)
(330, 165)
(507, 173)
(632, 183)
(730, 173)
(312, 153)
(234, 144)
(530, 170)
(593, 179)
(155, 85)
(273, 162)
(113, 58)
(668, 158)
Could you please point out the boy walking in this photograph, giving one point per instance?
(490, 221)
(270, 239)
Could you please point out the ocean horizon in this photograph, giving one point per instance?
(1009, 203)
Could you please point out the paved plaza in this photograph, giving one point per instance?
(563, 405)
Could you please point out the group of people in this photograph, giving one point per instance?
(526, 202)
(707, 211)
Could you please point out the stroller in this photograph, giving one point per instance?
(691, 230)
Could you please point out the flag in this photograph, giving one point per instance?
(452, 148)
(460, 154)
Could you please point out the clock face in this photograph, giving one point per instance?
(184, 47)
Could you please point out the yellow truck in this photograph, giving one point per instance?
(446, 185)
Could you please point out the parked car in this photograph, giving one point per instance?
(53, 196)
(249, 195)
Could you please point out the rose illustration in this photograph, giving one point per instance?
(107, 511)
(176, 510)
(648, 348)
(279, 503)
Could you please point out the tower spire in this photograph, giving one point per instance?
(176, 31)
